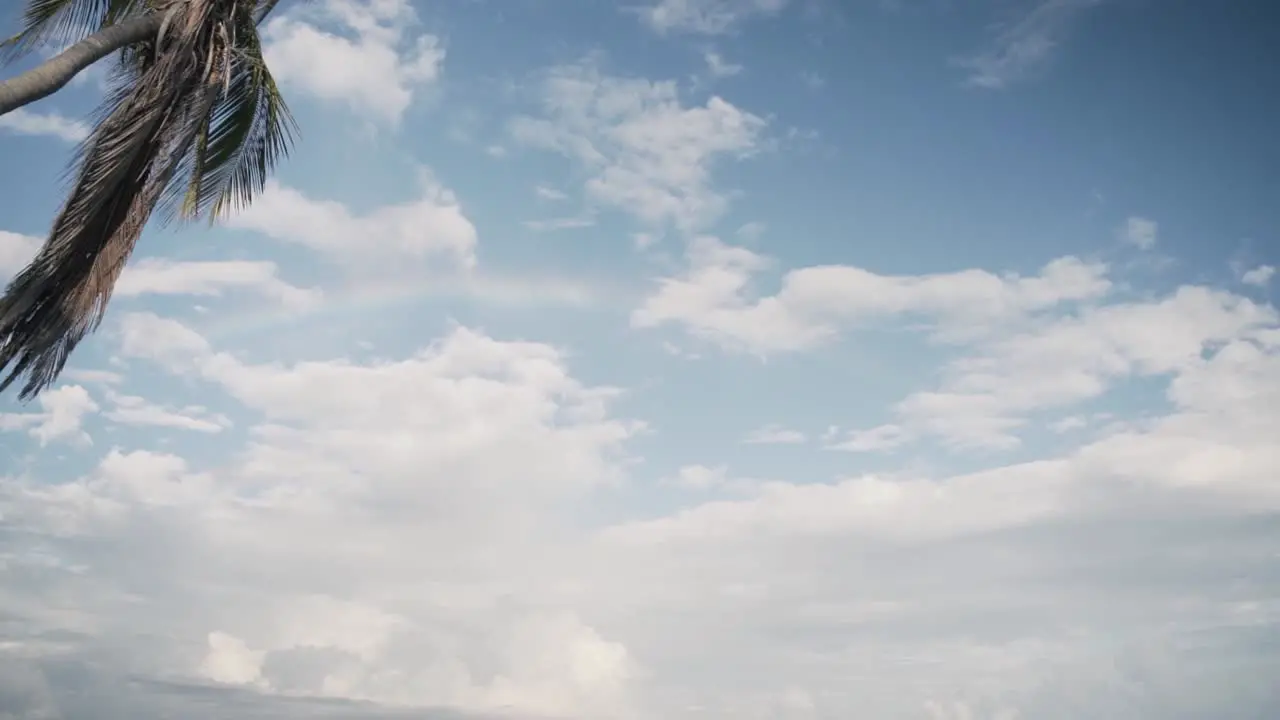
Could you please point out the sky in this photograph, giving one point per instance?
(680, 359)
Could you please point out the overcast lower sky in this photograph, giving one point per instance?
(706, 359)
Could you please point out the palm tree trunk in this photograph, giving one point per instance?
(51, 75)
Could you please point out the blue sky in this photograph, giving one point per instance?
(681, 359)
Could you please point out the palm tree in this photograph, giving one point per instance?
(191, 125)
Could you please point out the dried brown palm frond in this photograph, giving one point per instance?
(193, 125)
(62, 22)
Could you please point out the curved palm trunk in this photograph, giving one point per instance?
(53, 74)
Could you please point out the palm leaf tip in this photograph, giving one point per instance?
(36, 334)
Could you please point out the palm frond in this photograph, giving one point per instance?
(243, 134)
(251, 131)
(62, 22)
(193, 123)
(124, 166)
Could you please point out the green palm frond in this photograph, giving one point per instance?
(241, 138)
(251, 130)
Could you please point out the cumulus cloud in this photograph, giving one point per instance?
(486, 438)
(712, 298)
(449, 580)
(432, 228)
(61, 416)
(553, 435)
(922, 569)
(647, 153)
(1025, 344)
(374, 69)
(985, 396)
(482, 526)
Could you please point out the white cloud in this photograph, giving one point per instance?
(1024, 45)
(16, 251)
(474, 528)
(94, 377)
(431, 228)
(485, 438)
(134, 410)
(147, 335)
(375, 73)
(751, 231)
(881, 438)
(643, 240)
(773, 434)
(522, 291)
(231, 662)
(26, 122)
(548, 193)
(711, 299)
(647, 153)
(901, 510)
(160, 276)
(718, 66)
(701, 477)
(707, 17)
(1140, 232)
(1016, 358)
(448, 579)
(61, 416)
(985, 397)
(1214, 444)
(1258, 276)
(1069, 423)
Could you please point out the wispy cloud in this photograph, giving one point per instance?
(1023, 45)
(718, 67)
(134, 410)
(705, 17)
(1140, 232)
(561, 223)
(773, 434)
(549, 193)
(648, 152)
